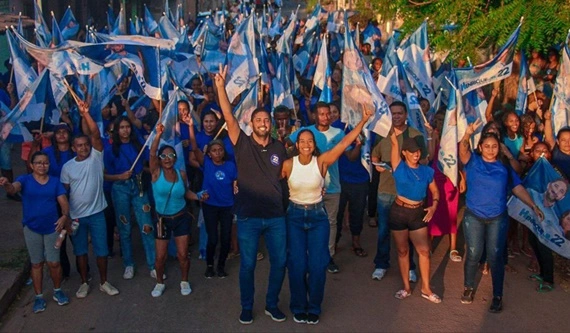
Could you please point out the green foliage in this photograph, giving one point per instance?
(482, 24)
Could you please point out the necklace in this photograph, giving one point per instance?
(413, 173)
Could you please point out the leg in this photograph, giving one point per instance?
(343, 201)
(225, 235)
(161, 249)
(419, 238)
(318, 257)
(382, 259)
(248, 233)
(474, 230)
(297, 243)
(122, 203)
(37, 277)
(331, 205)
(98, 230)
(275, 234)
(110, 221)
(141, 207)
(496, 236)
(181, 253)
(102, 267)
(36, 249)
(211, 218)
(64, 259)
(402, 245)
(55, 273)
(356, 208)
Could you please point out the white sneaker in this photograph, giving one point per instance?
(83, 291)
(185, 289)
(412, 276)
(108, 289)
(129, 273)
(158, 290)
(153, 274)
(378, 274)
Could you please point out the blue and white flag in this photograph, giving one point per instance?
(245, 108)
(56, 36)
(496, 69)
(416, 117)
(242, 70)
(549, 191)
(150, 24)
(168, 13)
(415, 57)
(68, 25)
(561, 104)
(474, 107)
(180, 17)
(447, 155)
(41, 27)
(322, 77)
(372, 35)
(526, 85)
(167, 29)
(389, 79)
(111, 18)
(280, 85)
(24, 74)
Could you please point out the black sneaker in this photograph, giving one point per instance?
(467, 297)
(312, 319)
(300, 318)
(332, 267)
(246, 317)
(496, 305)
(209, 272)
(222, 273)
(275, 314)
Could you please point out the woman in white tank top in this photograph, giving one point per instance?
(307, 222)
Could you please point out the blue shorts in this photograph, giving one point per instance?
(96, 226)
(5, 158)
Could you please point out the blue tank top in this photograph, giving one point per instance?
(161, 187)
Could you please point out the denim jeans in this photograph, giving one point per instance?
(331, 201)
(382, 258)
(355, 196)
(249, 230)
(492, 234)
(307, 258)
(126, 195)
(214, 216)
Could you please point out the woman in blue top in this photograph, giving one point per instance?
(170, 191)
(485, 221)
(220, 175)
(408, 218)
(41, 193)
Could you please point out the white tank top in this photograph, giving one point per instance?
(305, 182)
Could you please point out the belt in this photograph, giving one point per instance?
(406, 205)
(317, 205)
(182, 212)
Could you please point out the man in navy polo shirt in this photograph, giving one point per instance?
(258, 204)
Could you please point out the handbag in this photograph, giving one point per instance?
(161, 225)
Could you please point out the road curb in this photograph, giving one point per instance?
(10, 294)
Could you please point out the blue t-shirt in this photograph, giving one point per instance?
(202, 139)
(55, 165)
(39, 203)
(561, 161)
(218, 181)
(488, 185)
(115, 165)
(412, 183)
(514, 145)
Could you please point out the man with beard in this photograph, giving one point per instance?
(258, 204)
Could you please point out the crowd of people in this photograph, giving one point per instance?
(294, 180)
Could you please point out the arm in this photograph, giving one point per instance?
(464, 145)
(435, 195)
(231, 121)
(354, 153)
(196, 154)
(395, 150)
(13, 97)
(548, 133)
(10, 188)
(64, 220)
(94, 134)
(154, 163)
(130, 114)
(489, 110)
(286, 169)
(525, 197)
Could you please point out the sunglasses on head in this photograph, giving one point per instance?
(164, 156)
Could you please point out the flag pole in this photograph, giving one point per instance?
(159, 90)
(224, 126)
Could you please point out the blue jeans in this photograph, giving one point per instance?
(492, 234)
(382, 258)
(96, 226)
(126, 195)
(249, 230)
(308, 257)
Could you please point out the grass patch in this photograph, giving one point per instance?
(14, 259)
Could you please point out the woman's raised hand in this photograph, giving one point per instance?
(471, 128)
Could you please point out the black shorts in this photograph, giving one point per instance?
(177, 224)
(402, 218)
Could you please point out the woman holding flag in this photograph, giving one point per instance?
(485, 222)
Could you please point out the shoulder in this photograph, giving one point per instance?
(413, 132)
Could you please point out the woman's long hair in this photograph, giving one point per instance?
(133, 139)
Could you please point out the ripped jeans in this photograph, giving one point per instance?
(125, 195)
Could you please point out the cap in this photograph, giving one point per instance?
(411, 145)
(61, 126)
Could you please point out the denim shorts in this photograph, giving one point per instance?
(402, 218)
(96, 226)
(41, 247)
(179, 225)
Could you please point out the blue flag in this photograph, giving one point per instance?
(245, 108)
(68, 25)
(24, 75)
(242, 70)
(372, 35)
(561, 96)
(150, 24)
(42, 30)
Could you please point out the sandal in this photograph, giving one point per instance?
(454, 256)
(432, 298)
(401, 294)
(260, 256)
(372, 222)
(535, 277)
(545, 287)
(359, 252)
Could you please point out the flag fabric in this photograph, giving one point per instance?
(389, 80)
(496, 69)
(322, 77)
(242, 71)
(24, 74)
(551, 231)
(68, 25)
(150, 24)
(245, 108)
(416, 117)
(280, 85)
(447, 156)
(415, 57)
(372, 35)
(56, 36)
(168, 13)
(41, 27)
(167, 29)
(561, 104)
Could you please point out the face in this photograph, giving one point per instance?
(62, 136)
(335, 113)
(377, 65)
(281, 119)
(296, 105)
(323, 116)
(564, 142)
(106, 112)
(124, 130)
(337, 75)
(512, 123)
(261, 124)
(40, 165)
(399, 115)
(183, 110)
(114, 110)
(209, 123)
(167, 158)
(412, 157)
(439, 119)
(82, 147)
(556, 190)
(197, 86)
(306, 144)
(424, 105)
(529, 129)
(565, 223)
(538, 150)
(489, 149)
(216, 153)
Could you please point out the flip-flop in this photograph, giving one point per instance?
(454, 256)
(432, 298)
(359, 252)
(535, 277)
(544, 287)
(401, 294)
